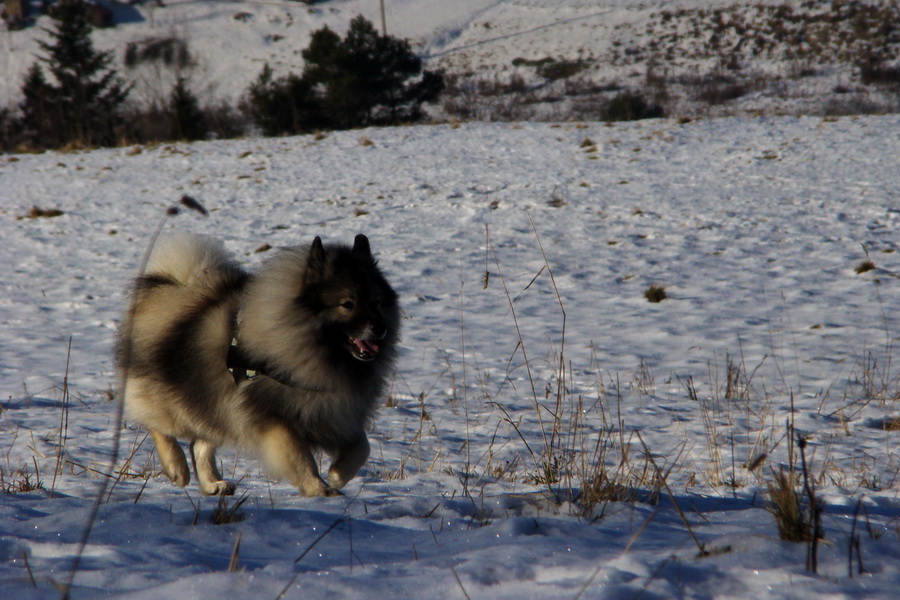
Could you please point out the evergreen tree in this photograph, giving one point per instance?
(188, 120)
(10, 129)
(85, 102)
(364, 79)
(283, 106)
(40, 116)
(368, 78)
(331, 82)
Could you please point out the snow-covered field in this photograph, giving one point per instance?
(754, 227)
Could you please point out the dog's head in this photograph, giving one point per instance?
(356, 307)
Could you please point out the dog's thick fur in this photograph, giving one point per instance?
(320, 325)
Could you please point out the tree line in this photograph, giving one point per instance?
(362, 79)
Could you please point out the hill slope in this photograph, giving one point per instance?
(522, 59)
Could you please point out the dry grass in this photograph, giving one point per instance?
(227, 512)
(42, 213)
(891, 423)
(656, 294)
(786, 505)
(580, 455)
(794, 503)
(22, 480)
(578, 451)
(864, 267)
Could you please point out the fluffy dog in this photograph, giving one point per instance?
(318, 324)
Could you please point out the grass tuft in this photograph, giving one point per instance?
(227, 512)
(786, 506)
(864, 267)
(656, 294)
(891, 423)
(22, 481)
(42, 213)
(794, 503)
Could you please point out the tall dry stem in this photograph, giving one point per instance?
(66, 586)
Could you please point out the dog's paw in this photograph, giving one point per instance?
(218, 488)
(180, 477)
(336, 480)
(320, 489)
(331, 492)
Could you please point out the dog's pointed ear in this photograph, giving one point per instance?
(315, 259)
(361, 246)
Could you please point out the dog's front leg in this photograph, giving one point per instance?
(290, 456)
(171, 457)
(348, 461)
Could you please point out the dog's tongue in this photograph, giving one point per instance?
(366, 346)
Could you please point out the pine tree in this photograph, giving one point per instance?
(188, 120)
(87, 97)
(283, 106)
(40, 118)
(364, 79)
(368, 78)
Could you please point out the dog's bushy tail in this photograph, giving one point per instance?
(191, 260)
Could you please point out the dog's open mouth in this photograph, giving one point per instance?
(363, 349)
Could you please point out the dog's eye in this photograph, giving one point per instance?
(348, 305)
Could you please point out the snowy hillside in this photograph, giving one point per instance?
(550, 433)
(519, 59)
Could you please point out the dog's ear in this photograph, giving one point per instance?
(315, 259)
(361, 246)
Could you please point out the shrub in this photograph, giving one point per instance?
(224, 121)
(718, 89)
(148, 124)
(630, 106)
(170, 51)
(875, 69)
(562, 69)
(182, 117)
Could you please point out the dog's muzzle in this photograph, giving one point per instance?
(364, 350)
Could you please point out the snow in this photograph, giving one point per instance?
(753, 226)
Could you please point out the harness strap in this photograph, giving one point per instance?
(243, 366)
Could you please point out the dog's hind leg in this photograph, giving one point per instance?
(290, 456)
(348, 461)
(172, 458)
(203, 455)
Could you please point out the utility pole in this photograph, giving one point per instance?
(383, 22)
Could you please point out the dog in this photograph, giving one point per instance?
(318, 324)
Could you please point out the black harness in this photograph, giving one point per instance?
(244, 367)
